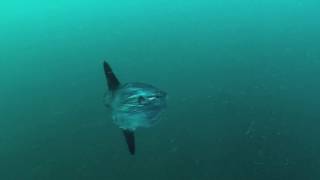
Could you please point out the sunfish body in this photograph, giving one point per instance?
(133, 105)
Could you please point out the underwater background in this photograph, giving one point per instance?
(242, 78)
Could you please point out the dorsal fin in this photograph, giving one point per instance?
(112, 80)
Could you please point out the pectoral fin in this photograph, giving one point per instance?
(130, 140)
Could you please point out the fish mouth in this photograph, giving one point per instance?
(162, 98)
(162, 103)
(162, 95)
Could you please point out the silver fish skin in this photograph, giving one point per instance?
(137, 105)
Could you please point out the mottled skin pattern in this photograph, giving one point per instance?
(137, 105)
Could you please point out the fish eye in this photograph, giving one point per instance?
(141, 99)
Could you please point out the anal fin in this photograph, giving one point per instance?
(130, 140)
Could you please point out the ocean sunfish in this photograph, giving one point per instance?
(133, 105)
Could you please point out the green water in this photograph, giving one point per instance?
(242, 78)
